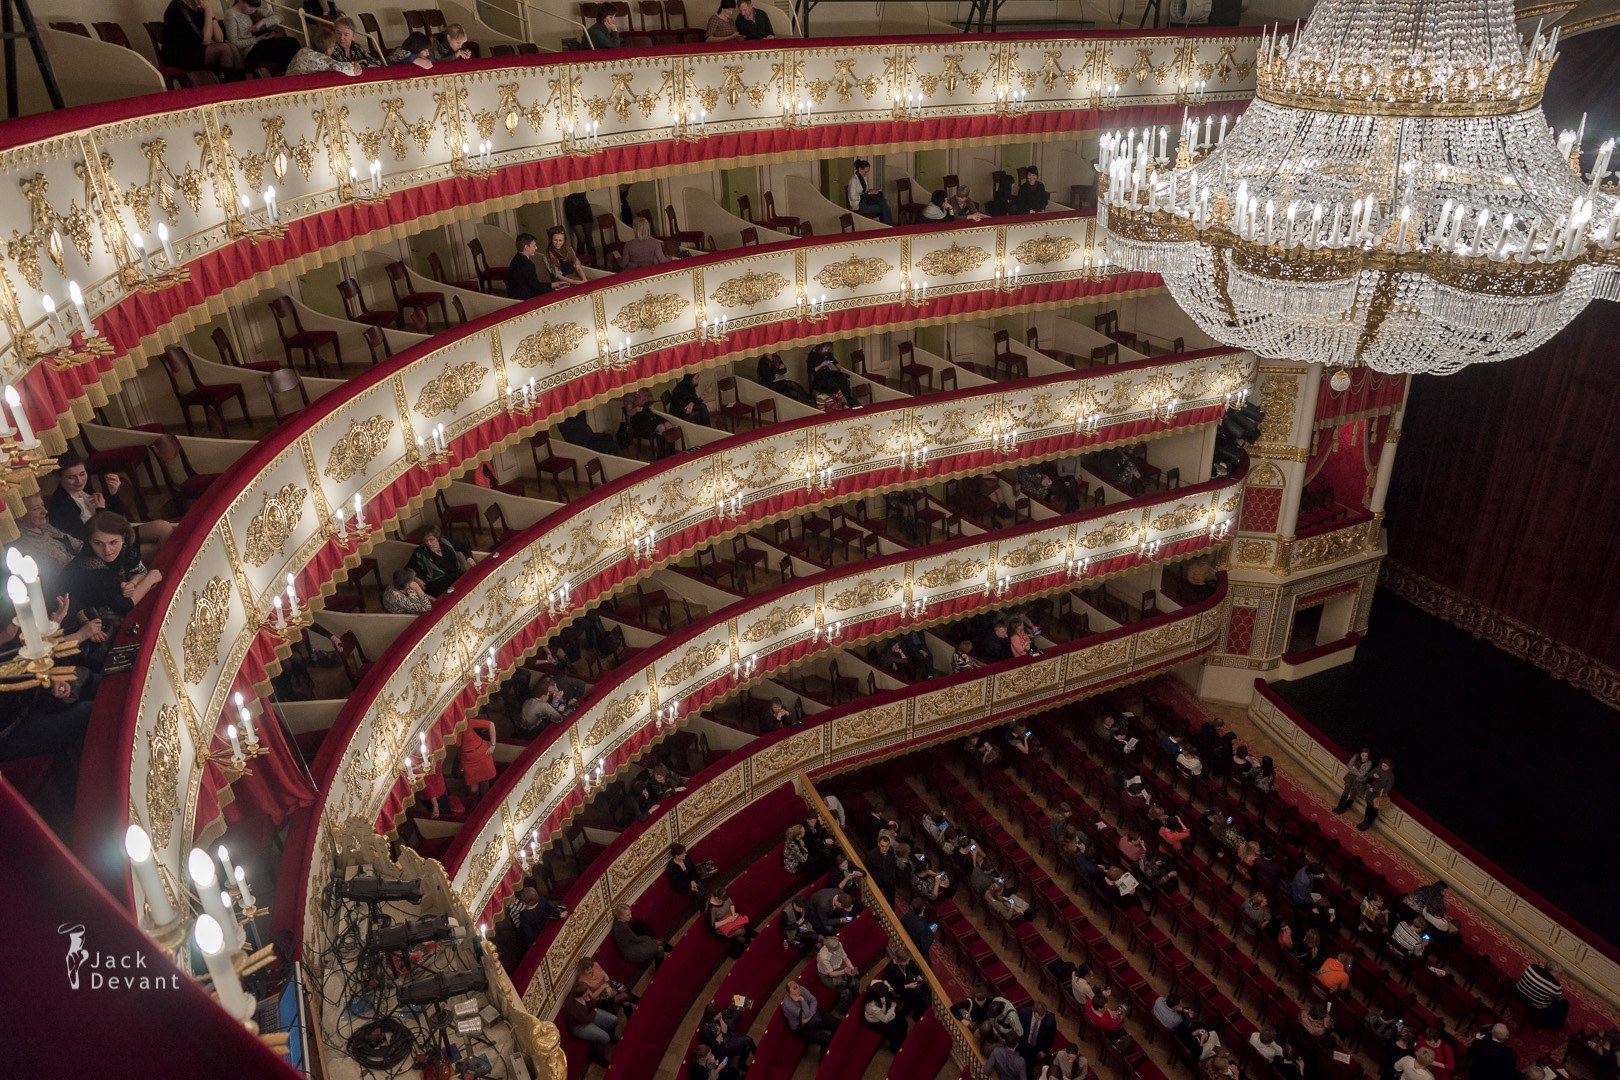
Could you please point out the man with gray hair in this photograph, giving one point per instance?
(1543, 994)
(1490, 1057)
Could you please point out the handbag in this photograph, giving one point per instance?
(706, 870)
(1381, 801)
(731, 923)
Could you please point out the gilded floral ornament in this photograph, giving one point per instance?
(201, 642)
(650, 312)
(1179, 518)
(1115, 532)
(777, 621)
(355, 451)
(267, 533)
(615, 715)
(1045, 250)
(951, 573)
(163, 774)
(853, 272)
(956, 259)
(1037, 551)
(868, 592)
(696, 659)
(749, 289)
(550, 343)
(447, 390)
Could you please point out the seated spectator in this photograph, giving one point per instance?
(773, 375)
(642, 422)
(1434, 915)
(560, 258)
(753, 23)
(828, 910)
(1255, 912)
(1542, 992)
(1066, 1064)
(259, 36)
(604, 32)
(50, 720)
(47, 545)
(108, 578)
(844, 875)
(828, 379)
(1174, 832)
(1002, 201)
(1334, 973)
(836, 971)
(962, 659)
(927, 882)
(1373, 914)
(686, 403)
(1171, 1013)
(1314, 1020)
(1415, 1066)
(720, 1032)
(194, 40)
(1247, 852)
(705, 1066)
(796, 928)
(406, 595)
(1122, 887)
(794, 853)
(1434, 1040)
(349, 48)
(644, 249)
(578, 431)
(983, 750)
(73, 504)
(438, 562)
(635, 940)
(523, 280)
(863, 198)
(450, 44)
(1022, 642)
(723, 23)
(1219, 1067)
(590, 1022)
(1263, 777)
(610, 994)
(781, 716)
(1020, 737)
(1005, 903)
(819, 839)
(1303, 890)
(962, 205)
(1410, 936)
(1107, 1017)
(320, 55)
(728, 922)
(1001, 1058)
(680, 873)
(804, 1019)
(1265, 1043)
(530, 913)
(1032, 197)
(415, 50)
(1157, 870)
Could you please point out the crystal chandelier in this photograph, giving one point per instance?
(1393, 197)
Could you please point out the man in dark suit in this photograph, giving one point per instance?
(1040, 1033)
(827, 910)
(917, 927)
(522, 279)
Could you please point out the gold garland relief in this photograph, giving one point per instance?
(356, 450)
(208, 615)
(267, 533)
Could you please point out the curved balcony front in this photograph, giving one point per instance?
(208, 632)
(254, 188)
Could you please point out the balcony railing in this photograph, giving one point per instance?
(209, 630)
(249, 188)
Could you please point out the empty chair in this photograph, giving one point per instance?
(353, 657)
(437, 272)
(354, 306)
(227, 354)
(691, 237)
(113, 34)
(369, 22)
(308, 342)
(453, 515)
(911, 370)
(675, 20)
(745, 209)
(408, 299)
(495, 522)
(905, 203)
(846, 223)
(210, 398)
(71, 28)
(190, 485)
(488, 276)
(548, 464)
(773, 220)
(283, 381)
(377, 343)
(750, 236)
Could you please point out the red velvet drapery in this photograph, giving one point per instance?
(1504, 489)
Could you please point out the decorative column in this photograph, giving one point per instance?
(1273, 575)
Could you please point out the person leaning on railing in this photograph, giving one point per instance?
(320, 55)
(604, 32)
(349, 48)
(261, 37)
(416, 49)
(723, 23)
(194, 40)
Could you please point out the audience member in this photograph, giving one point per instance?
(773, 375)
(908, 984)
(46, 544)
(350, 49)
(589, 1022)
(1542, 992)
(320, 55)
(1380, 784)
(1040, 1035)
(827, 378)
(863, 198)
(1032, 197)
(438, 562)
(416, 50)
(604, 32)
(881, 1013)
(686, 402)
(561, 262)
(828, 910)
(1265, 1043)
(522, 277)
(918, 927)
(450, 44)
(804, 1019)
(610, 993)
(259, 36)
(723, 23)
(883, 868)
(1490, 1057)
(1415, 1066)
(753, 23)
(477, 752)
(680, 873)
(194, 40)
(705, 1066)
(107, 578)
(1359, 768)
(1334, 973)
(635, 940)
(406, 594)
(719, 1031)
(796, 928)
(644, 249)
(728, 922)
(73, 504)
(962, 204)
(1001, 1060)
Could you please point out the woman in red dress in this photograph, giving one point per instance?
(477, 748)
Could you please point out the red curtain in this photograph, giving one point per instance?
(1504, 488)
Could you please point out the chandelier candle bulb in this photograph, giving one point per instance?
(225, 860)
(249, 732)
(138, 846)
(376, 176)
(270, 204)
(167, 244)
(246, 893)
(210, 938)
(236, 744)
(281, 617)
(76, 296)
(25, 430)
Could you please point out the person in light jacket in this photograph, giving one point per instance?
(1359, 767)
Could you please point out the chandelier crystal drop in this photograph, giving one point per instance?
(1392, 198)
